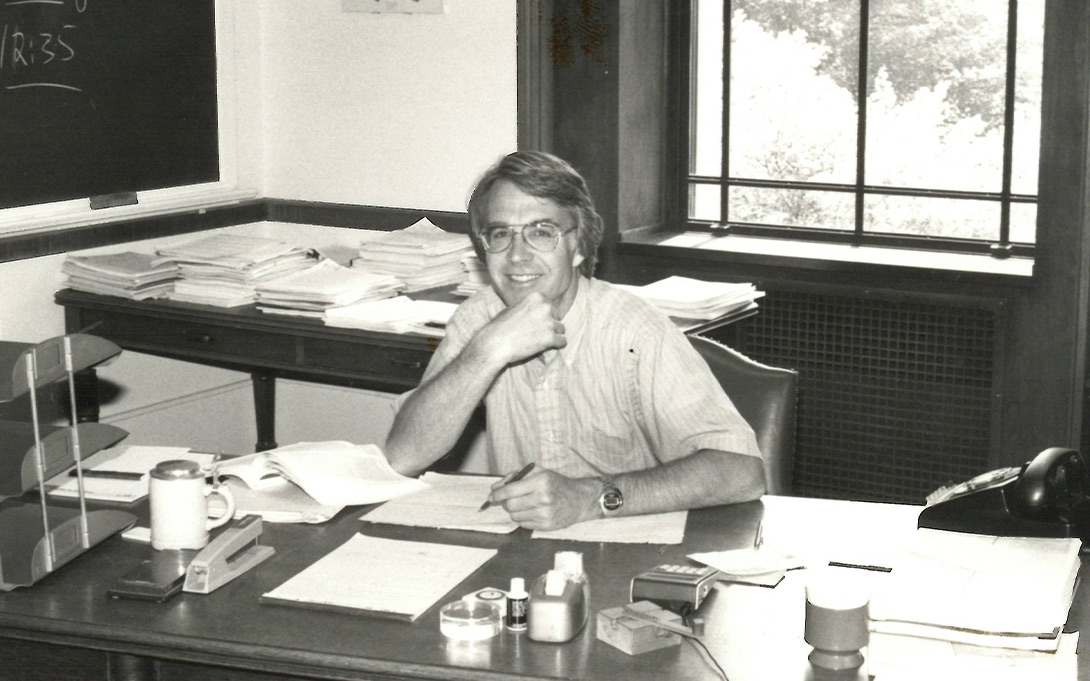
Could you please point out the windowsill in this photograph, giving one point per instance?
(825, 256)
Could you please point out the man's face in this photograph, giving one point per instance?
(520, 270)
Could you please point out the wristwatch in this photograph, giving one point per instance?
(611, 499)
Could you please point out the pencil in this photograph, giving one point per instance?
(116, 475)
(514, 478)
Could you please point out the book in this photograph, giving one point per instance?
(384, 577)
(333, 473)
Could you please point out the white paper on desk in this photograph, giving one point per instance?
(653, 528)
(277, 502)
(905, 658)
(980, 583)
(451, 502)
(748, 562)
(384, 576)
(135, 459)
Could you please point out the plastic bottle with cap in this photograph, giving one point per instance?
(517, 599)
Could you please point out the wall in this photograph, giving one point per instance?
(395, 110)
(354, 108)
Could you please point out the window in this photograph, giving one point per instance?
(940, 152)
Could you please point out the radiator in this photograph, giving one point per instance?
(896, 396)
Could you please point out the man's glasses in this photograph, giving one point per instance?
(540, 236)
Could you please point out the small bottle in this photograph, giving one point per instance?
(517, 599)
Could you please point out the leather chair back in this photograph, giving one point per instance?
(766, 397)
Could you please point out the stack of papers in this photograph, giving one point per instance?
(399, 314)
(136, 276)
(323, 285)
(684, 298)
(224, 269)
(421, 255)
(1003, 592)
(451, 502)
(476, 276)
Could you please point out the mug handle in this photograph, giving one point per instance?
(228, 499)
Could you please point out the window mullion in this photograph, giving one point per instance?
(861, 121)
(1003, 248)
(724, 173)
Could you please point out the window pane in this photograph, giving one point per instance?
(706, 99)
(935, 101)
(925, 216)
(792, 207)
(1027, 96)
(704, 202)
(793, 75)
(1024, 223)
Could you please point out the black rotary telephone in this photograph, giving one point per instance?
(1046, 497)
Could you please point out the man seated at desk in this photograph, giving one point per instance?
(593, 385)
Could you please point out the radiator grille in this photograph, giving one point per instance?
(895, 397)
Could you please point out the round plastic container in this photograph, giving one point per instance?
(470, 620)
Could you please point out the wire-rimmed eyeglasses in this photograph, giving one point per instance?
(542, 236)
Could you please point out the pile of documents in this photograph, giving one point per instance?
(224, 269)
(984, 592)
(684, 298)
(136, 276)
(322, 286)
(399, 314)
(421, 255)
(476, 276)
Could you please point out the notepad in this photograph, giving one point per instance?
(451, 502)
(136, 459)
(382, 577)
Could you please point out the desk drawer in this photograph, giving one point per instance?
(400, 365)
(196, 340)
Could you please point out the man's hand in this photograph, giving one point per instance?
(523, 330)
(545, 500)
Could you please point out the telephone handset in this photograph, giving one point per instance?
(1046, 497)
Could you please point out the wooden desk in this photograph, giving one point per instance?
(66, 627)
(266, 346)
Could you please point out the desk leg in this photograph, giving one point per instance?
(265, 409)
(121, 667)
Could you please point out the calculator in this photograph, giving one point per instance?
(674, 586)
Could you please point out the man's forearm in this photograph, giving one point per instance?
(705, 478)
(434, 416)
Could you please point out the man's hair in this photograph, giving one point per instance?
(545, 176)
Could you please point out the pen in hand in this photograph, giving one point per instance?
(514, 478)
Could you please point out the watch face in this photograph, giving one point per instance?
(612, 499)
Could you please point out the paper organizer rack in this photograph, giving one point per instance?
(36, 538)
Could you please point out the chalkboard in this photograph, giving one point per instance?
(105, 96)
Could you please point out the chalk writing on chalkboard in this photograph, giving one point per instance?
(106, 96)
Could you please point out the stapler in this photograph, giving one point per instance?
(226, 557)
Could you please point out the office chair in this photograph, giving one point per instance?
(765, 396)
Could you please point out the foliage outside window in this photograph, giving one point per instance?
(942, 151)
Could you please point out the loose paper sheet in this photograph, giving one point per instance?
(450, 502)
(654, 528)
(135, 459)
(382, 576)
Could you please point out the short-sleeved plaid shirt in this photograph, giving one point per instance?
(628, 392)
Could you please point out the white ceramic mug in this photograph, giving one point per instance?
(179, 506)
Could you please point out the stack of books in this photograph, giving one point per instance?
(476, 276)
(224, 269)
(322, 286)
(136, 276)
(421, 255)
(685, 298)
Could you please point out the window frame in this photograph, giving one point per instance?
(681, 125)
